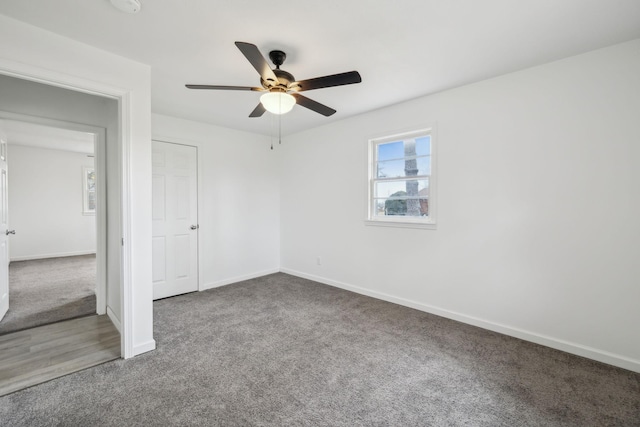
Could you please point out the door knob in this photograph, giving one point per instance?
(10, 232)
(194, 227)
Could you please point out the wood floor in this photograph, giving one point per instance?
(40, 354)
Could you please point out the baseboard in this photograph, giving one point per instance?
(238, 279)
(55, 255)
(144, 347)
(114, 319)
(558, 344)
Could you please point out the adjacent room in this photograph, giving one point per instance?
(356, 213)
(52, 270)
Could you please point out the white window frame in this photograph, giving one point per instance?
(428, 222)
(86, 210)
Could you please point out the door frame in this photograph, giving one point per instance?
(199, 195)
(99, 151)
(4, 239)
(124, 99)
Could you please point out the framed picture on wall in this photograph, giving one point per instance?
(88, 191)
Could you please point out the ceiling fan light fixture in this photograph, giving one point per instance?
(128, 6)
(277, 102)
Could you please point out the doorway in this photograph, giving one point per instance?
(99, 118)
(123, 84)
(56, 247)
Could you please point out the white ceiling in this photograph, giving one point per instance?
(41, 136)
(403, 49)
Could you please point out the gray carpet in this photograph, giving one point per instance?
(283, 351)
(49, 290)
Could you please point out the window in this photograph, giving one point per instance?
(89, 191)
(402, 180)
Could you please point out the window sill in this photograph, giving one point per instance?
(401, 224)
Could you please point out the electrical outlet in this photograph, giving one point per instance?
(319, 261)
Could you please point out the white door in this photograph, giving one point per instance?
(175, 219)
(4, 231)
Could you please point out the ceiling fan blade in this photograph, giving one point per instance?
(258, 111)
(257, 89)
(251, 52)
(341, 79)
(313, 105)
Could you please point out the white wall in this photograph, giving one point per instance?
(29, 51)
(45, 197)
(40, 100)
(114, 213)
(538, 210)
(239, 205)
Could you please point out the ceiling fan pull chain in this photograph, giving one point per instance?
(280, 129)
(271, 133)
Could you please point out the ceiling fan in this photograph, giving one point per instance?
(282, 89)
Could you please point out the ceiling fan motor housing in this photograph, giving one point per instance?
(284, 78)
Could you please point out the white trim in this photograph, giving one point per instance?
(85, 190)
(53, 78)
(114, 319)
(99, 151)
(401, 224)
(55, 255)
(100, 166)
(79, 84)
(144, 347)
(558, 344)
(239, 279)
(429, 222)
(126, 295)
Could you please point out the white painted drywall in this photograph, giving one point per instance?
(239, 205)
(39, 100)
(114, 216)
(45, 197)
(31, 51)
(538, 209)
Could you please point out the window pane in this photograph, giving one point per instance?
(423, 146)
(390, 150)
(400, 168)
(402, 207)
(401, 189)
(386, 189)
(91, 201)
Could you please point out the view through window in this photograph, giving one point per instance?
(401, 178)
